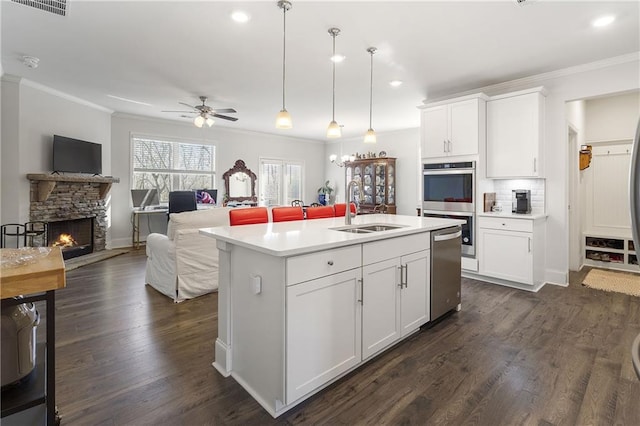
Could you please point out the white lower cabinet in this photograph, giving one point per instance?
(506, 255)
(323, 331)
(510, 249)
(345, 305)
(395, 300)
(380, 305)
(415, 299)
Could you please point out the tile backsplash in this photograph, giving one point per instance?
(503, 189)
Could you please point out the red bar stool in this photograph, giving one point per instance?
(341, 208)
(320, 212)
(285, 214)
(248, 216)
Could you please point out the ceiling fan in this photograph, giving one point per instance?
(205, 113)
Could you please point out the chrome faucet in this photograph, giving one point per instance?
(347, 212)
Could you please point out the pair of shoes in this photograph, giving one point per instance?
(593, 255)
(605, 257)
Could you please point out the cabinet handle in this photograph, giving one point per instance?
(444, 145)
(406, 275)
(400, 268)
(449, 144)
(330, 263)
(535, 165)
(529, 242)
(361, 300)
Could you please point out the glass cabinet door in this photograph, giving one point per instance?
(369, 178)
(381, 183)
(391, 184)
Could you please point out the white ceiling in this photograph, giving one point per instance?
(163, 52)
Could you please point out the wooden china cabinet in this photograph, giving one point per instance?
(378, 177)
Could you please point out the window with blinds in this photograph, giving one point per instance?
(171, 165)
(281, 181)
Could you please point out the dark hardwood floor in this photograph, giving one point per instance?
(127, 355)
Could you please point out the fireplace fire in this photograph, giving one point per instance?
(65, 240)
(74, 236)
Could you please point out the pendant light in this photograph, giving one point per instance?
(283, 120)
(334, 131)
(370, 137)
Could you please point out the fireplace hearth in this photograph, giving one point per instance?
(74, 236)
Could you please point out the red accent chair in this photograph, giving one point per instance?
(320, 212)
(285, 214)
(248, 216)
(341, 207)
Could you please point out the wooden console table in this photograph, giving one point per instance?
(35, 281)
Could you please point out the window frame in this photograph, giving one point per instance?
(283, 163)
(174, 141)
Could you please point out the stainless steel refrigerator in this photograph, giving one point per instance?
(634, 188)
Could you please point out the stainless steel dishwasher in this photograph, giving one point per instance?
(445, 271)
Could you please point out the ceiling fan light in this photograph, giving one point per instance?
(370, 136)
(334, 131)
(209, 121)
(283, 120)
(198, 121)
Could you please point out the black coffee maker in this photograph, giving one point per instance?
(521, 201)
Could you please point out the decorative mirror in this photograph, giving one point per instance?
(240, 183)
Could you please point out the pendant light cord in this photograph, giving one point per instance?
(333, 59)
(284, 50)
(372, 51)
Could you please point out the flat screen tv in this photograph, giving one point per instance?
(76, 156)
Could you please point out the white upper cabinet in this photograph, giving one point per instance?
(515, 134)
(453, 128)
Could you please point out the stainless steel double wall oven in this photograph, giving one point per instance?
(448, 190)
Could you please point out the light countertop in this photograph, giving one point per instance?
(306, 236)
(530, 216)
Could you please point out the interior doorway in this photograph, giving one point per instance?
(573, 196)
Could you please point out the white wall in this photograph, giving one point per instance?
(32, 114)
(402, 144)
(612, 118)
(231, 145)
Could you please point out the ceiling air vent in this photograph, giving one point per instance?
(59, 7)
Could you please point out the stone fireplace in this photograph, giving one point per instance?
(76, 200)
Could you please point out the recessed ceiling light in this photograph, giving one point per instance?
(128, 100)
(239, 16)
(395, 83)
(603, 21)
(337, 58)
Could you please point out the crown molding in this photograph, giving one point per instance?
(214, 128)
(11, 78)
(29, 83)
(538, 79)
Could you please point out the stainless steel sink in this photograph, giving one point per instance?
(366, 229)
(378, 228)
(354, 230)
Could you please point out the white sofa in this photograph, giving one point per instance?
(184, 264)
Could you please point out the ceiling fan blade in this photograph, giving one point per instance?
(225, 110)
(224, 117)
(187, 105)
(188, 112)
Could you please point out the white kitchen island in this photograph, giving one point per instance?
(300, 304)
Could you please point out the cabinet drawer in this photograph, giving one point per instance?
(315, 265)
(378, 251)
(505, 223)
